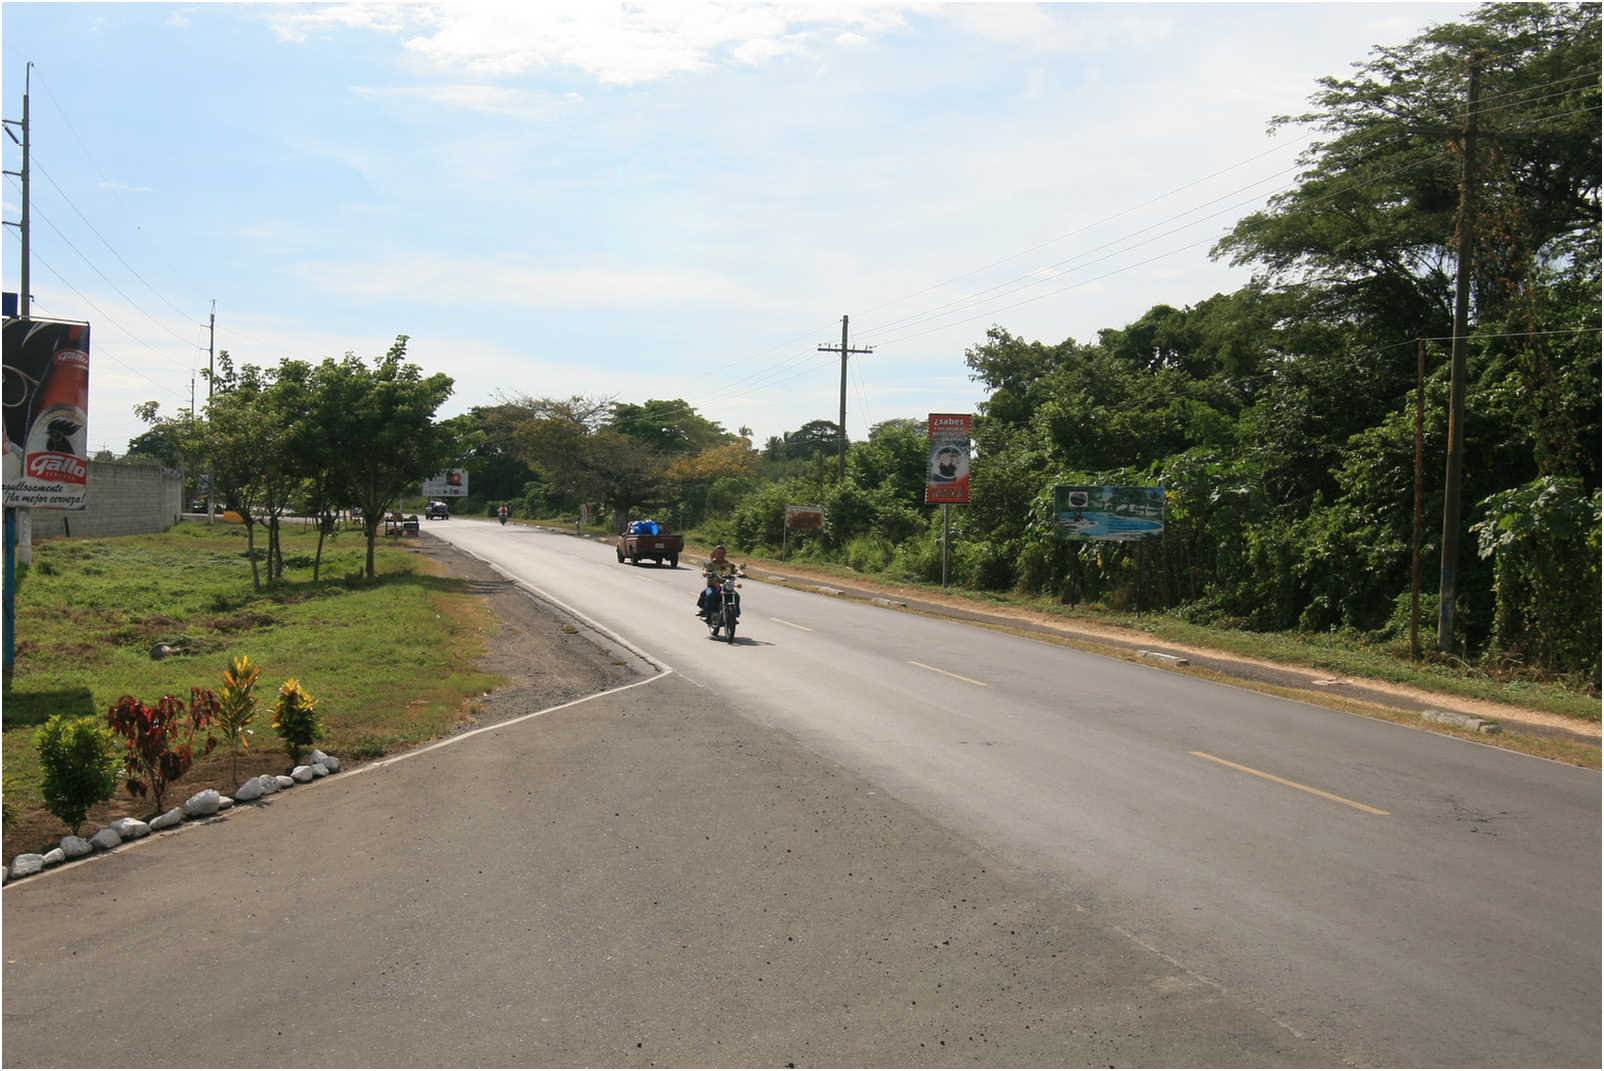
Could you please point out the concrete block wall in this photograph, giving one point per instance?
(121, 498)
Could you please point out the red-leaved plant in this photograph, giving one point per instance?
(161, 740)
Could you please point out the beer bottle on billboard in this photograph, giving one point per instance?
(57, 450)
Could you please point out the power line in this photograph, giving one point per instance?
(1008, 288)
(101, 173)
(105, 316)
(96, 269)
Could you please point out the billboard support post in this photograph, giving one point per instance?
(946, 537)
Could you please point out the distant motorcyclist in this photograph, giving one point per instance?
(502, 513)
(717, 567)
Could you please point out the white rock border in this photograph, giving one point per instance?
(202, 805)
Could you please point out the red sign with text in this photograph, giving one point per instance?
(948, 475)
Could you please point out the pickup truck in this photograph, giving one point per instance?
(633, 548)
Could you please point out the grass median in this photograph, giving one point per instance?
(389, 659)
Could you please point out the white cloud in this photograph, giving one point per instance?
(517, 104)
(508, 281)
(628, 44)
(297, 24)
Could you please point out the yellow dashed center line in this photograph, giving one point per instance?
(1289, 784)
(790, 624)
(944, 673)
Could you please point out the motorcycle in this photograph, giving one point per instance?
(503, 517)
(723, 607)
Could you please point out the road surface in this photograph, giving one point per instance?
(853, 837)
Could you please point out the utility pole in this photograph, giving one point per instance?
(1420, 494)
(22, 297)
(17, 529)
(1456, 393)
(211, 376)
(843, 350)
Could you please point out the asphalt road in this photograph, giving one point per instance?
(854, 837)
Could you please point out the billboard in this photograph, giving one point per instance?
(452, 483)
(947, 478)
(806, 518)
(46, 463)
(1118, 514)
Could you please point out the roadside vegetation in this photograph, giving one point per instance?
(1279, 419)
(387, 658)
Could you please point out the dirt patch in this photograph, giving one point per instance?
(548, 657)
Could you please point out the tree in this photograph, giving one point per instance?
(811, 438)
(386, 438)
(1370, 226)
(244, 444)
(894, 459)
(571, 441)
(175, 442)
(669, 427)
(691, 477)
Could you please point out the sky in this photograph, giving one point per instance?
(644, 200)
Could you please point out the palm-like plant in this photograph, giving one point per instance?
(236, 707)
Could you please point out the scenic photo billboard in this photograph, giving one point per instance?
(46, 414)
(947, 478)
(1119, 514)
(452, 483)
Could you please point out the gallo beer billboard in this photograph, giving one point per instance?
(46, 413)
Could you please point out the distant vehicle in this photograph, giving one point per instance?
(644, 540)
(437, 511)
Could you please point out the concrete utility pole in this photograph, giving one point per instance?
(17, 528)
(22, 297)
(843, 350)
(1456, 393)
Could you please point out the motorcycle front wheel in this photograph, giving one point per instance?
(729, 624)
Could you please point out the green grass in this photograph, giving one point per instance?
(389, 659)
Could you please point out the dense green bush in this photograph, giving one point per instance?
(79, 761)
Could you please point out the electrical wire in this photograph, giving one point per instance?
(99, 349)
(83, 146)
(1008, 288)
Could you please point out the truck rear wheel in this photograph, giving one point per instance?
(620, 557)
(673, 561)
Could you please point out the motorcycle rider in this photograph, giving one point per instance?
(718, 566)
(502, 513)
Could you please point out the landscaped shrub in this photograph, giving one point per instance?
(295, 718)
(160, 741)
(79, 762)
(236, 707)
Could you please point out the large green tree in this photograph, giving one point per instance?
(386, 439)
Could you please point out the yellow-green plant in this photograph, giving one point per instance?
(236, 707)
(295, 718)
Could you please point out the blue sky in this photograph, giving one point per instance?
(645, 200)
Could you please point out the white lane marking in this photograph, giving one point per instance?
(945, 673)
(790, 624)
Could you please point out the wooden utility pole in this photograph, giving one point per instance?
(1456, 395)
(843, 350)
(1420, 490)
